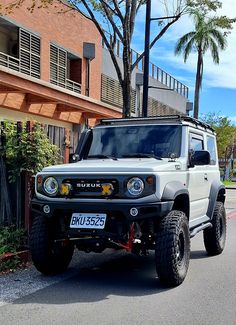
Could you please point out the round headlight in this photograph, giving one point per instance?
(135, 186)
(50, 186)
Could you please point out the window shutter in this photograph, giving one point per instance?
(58, 59)
(29, 54)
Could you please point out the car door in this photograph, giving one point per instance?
(197, 180)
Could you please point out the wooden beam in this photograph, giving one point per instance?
(25, 105)
(67, 108)
(4, 90)
(92, 115)
(33, 99)
(42, 90)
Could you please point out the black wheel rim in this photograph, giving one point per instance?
(180, 249)
(221, 230)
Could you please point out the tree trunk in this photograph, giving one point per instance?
(198, 83)
(126, 84)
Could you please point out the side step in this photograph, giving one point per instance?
(200, 228)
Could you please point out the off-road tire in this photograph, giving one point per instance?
(48, 257)
(214, 238)
(172, 250)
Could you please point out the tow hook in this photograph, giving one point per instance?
(129, 245)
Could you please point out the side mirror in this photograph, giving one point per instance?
(200, 158)
(83, 146)
(73, 158)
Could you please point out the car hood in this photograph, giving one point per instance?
(134, 165)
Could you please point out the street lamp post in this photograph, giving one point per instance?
(146, 59)
(146, 55)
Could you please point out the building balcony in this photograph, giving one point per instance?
(154, 71)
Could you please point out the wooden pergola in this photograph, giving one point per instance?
(29, 95)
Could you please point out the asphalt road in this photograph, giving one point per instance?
(123, 289)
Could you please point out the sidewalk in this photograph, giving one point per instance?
(231, 187)
(230, 202)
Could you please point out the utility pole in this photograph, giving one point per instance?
(146, 59)
(146, 56)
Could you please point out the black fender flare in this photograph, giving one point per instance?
(172, 190)
(216, 188)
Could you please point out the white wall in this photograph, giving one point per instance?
(170, 98)
(7, 114)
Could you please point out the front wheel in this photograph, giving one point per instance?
(172, 250)
(214, 238)
(48, 257)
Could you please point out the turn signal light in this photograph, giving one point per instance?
(150, 180)
(39, 180)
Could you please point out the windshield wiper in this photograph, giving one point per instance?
(141, 155)
(102, 157)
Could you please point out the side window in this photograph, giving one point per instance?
(211, 147)
(196, 142)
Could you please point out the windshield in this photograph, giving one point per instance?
(158, 141)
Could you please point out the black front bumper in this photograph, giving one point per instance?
(147, 210)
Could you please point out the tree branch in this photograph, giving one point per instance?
(162, 32)
(109, 17)
(132, 16)
(113, 57)
(74, 5)
(119, 13)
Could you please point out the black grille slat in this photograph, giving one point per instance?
(91, 187)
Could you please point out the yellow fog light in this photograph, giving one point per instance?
(107, 189)
(65, 189)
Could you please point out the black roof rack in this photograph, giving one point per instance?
(179, 118)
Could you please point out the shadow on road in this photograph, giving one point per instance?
(95, 280)
(200, 254)
(128, 275)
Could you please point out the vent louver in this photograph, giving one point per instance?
(111, 93)
(29, 54)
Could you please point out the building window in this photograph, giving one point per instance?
(29, 53)
(65, 69)
(19, 49)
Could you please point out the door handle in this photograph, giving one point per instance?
(206, 177)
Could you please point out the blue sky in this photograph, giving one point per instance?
(219, 81)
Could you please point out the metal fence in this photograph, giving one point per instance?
(154, 71)
(15, 197)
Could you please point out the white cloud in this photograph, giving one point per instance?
(222, 75)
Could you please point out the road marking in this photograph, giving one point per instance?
(231, 215)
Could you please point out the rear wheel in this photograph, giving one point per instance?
(48, 257)
(214, 238)
(172, 251)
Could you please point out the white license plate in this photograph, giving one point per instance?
(88, 220)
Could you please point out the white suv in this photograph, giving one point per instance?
(137, 184)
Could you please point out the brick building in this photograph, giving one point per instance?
(54, 69)
(44, 71)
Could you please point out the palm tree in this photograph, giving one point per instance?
(206, 36)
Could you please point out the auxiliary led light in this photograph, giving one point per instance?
(65, 189)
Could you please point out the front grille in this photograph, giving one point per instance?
(93, 187)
